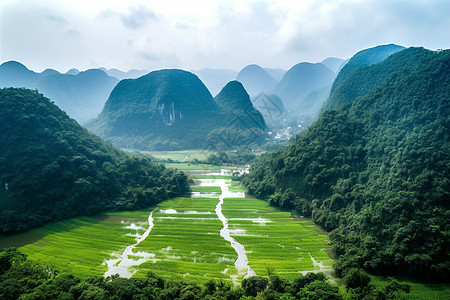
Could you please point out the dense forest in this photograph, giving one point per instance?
(375, 171)
(51, 168)
(24, 279)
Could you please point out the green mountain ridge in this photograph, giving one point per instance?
(375, 172)
(51, 168)
(166, 109)
(361, 80)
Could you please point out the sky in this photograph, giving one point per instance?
(222, 34)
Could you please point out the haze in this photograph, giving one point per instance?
(210, 34)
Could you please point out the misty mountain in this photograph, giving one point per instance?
(81, 95)
(72, 71)
(276, 74)
(215, 79)
(299, 82)
(333, 63)
(165, 109)
(256, 80)
(131, 74)
(14, 74)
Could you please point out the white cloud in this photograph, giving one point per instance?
(138, 17)
(206, 33)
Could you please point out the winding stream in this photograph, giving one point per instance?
(120, 265)
(241, 262)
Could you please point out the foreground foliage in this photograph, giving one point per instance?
(51, 168)
(375, 172)
(24, 279)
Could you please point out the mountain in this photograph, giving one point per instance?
(51, 168)
(166, 109)
(234, 98)
(255, 80)
(375, 172)
(362, 79)
(81, 94)
(215, 79)
(73, 72)
(368, 56)
(301, 80)
(14, 74)
(271, 106)
(333, 63)
(124, 75)
(48, 72)
(276, 74)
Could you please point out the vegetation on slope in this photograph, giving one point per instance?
(21, 278)
(51, 168)
(165, 110)
(359, 81)
(375, 172)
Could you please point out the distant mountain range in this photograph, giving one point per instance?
(215, 79)
(305, 87)
(124, 75)
(80, 94)
(256, 80)
(171, 109)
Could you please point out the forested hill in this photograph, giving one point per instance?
(163, 110)
(376, 173)
(362, 79)
(365, 57)
(51, 168)
(234, 99)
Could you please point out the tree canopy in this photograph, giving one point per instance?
(375, 172)
(51, 168)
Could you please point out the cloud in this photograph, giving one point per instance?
(138, 17)
(57, 19)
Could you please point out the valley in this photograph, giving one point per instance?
(189, 239)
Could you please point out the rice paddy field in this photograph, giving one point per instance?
(185, 241)
(275, 241)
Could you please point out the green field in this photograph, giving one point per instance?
(190, 166)
(274, 240)
(185, 239)
(80, 245)
(206, 189)
(186, 243)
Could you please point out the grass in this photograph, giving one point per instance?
(236, 187)
(80, 245)
(206, 189)
(190, 167)
(186, 242)
(284, 245)
(188, 245)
